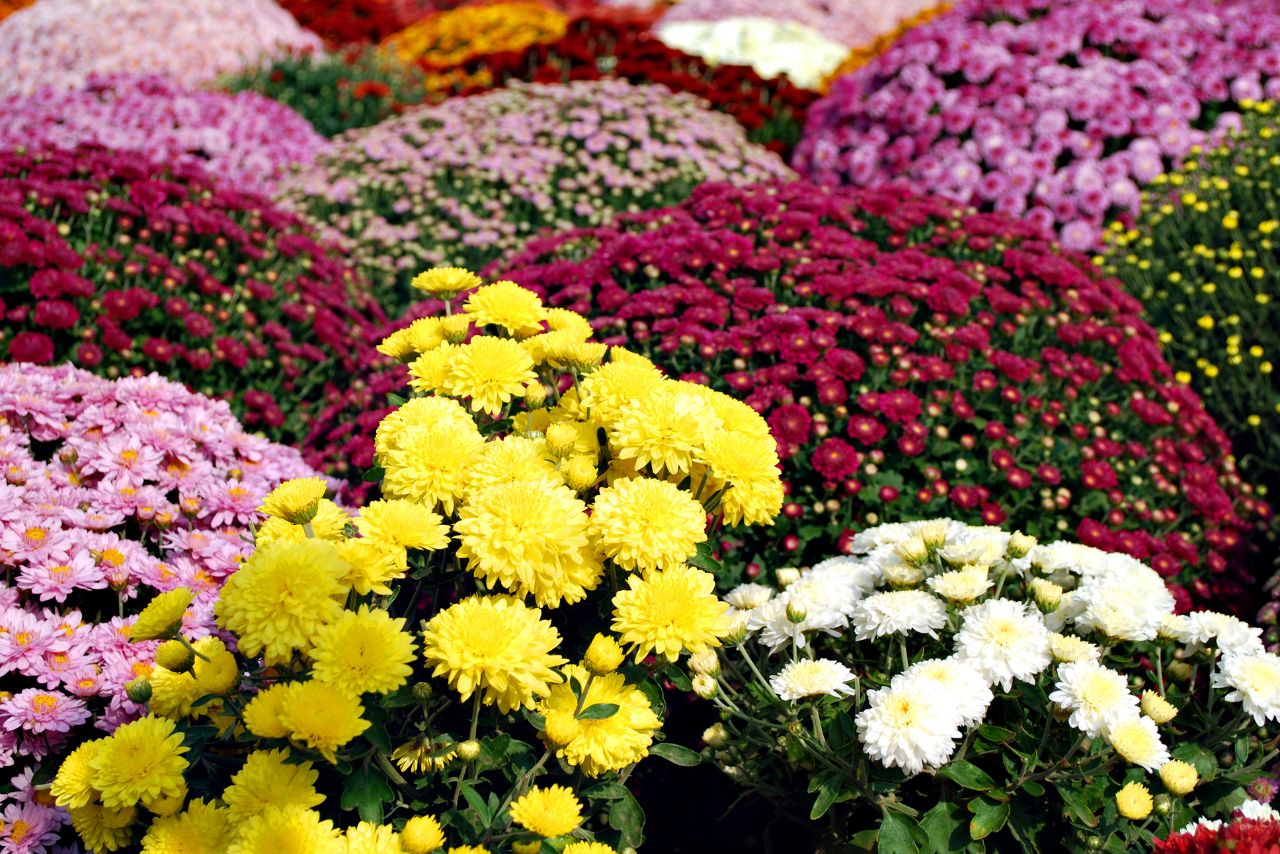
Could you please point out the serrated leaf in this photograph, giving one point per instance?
(895, 835)
(968, 775)
(988, 817)
(599, 711)
(1077, 805)
(676, 754)
(944, 826)
(365, 792)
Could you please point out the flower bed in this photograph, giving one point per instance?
(1056, 111)
(773, 48)
(124, 266)
(916, 359)
(466, 181)
(951, 685)
(447, 38)
(114, 490)
(58, 44)
(853, 23)
(344, 22)
(246, 140)
(1254, 826)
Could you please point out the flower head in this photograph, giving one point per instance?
(670, 611)
(1135, 738)
(162, 617)
(203, 828)
(1004, 641)
(899, 612)
(404, 524)
(287, 830)
(1179, 777)
(445, 282)
(422, 835)
(506, 304)
(428, 464)
(490, 371)
(1094, 695)
(322, 717)
(1254, 680)
(363, 652)
(547, 811)
(647, 524)
(603, 744)
(296, 500)
(140, 762)
(664, 428)
(812, 677)
(1134, 801)
(267, 779)
(905, 726)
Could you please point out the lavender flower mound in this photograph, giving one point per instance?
(57, 44)
(245, 139)
(1052, 109)
(474, 178)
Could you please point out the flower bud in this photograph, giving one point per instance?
(1179, 777)
(561, 728)
(705, 662)
(175, 655)
(455, 327)
(422, 835)
(796, 612)
(1134, 801)
(913, 552)
(902, 575)
(786, 575)
(581, 473)
(532, 846)
(1047, 594)
(561, 437)
(604, 655)
(139, 690)
(469, 750)
(736, 634)
(715, 736)
(705, 686)
(1164, 803)
(1020, 545)
(422, 691)
(1179, 670)
(1158, 708)
(535, 394)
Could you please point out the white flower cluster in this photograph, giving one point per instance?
(960, 585)
(1250, 809)
(769, 46)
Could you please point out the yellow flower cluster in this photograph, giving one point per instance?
(451, 37)
(863, 54)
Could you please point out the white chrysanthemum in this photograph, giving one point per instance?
(899, 612)
(1231, 635)
(777, 629)
(1124, 599)
(1094, 695)
(744, 597)
(961, 585)
(1175, 627)
(908, 726)
(1069, 648)
(1004, 641)
(1213, 825)
(1255, 683)
(828, 591)
(811, 678)
(1257, 811)
(862, 574)
(967, 693)
(1062, 556)
(893, 533)
(980, 546)
(1136, 738)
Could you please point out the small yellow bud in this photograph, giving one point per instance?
(604, 655)
(1047, 594)
(561, 437)
(796, 612)
(1158, 708)
(715, 736)
(1134, 801)
(705, 686)
(1178, 777)
(175, 655)
(581, 473)
(535, 394)
(469, 750)
(705, 662)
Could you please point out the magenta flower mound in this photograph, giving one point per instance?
(855, 23)
(246, 140)
(57, 44)
(1056, 110)
(113, 491)
(465, 181)
(916, 359)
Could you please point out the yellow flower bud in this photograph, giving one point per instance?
(705, 662)
(469, 750)
(1158, 708)
(1134, 801)
(604, 655)
(716, 735)
(1178, 777)
(174, 655)
(422, 835)
(535, 394)
(581, 473)
(561, 437)
(705, 686)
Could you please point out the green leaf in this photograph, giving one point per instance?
(968, 775)
(944, 826)
(865, 840)
(676, 754)
(1034, 789)
(1076, 804)
(605, 792)
(895, 835)
(374, 475)
(394, 399)
(366, 791)
(478, 804)
(826, 797)
(653, 693)
(677, 676)
(997, 734)
(988, 817)
(1203, 760)
(626, 817)
(599, 711)
(705, 558)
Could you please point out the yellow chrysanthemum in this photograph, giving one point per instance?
(322, 717)
(363, 652)
(604, 655)
(372, 565)
(203, 828)
(669, 611)
(445, 281)
(622, 354)
(562, 319)
(424, 755)
(140, 760)
(738, 418)
(369, 838)
(73, 784)
(512, 459)
(287, 830)
(1179, 777)
(746, 468)
(566, 350)
(647, 524)
(281, 597)
(607, 389)
(530, 539)
(430, 464)
(396, 346)
(505, 304)
(607, 744)
(329, 524)
(588, 848)
(1134, 801)
(422, 835)
(267, 779)
(427, 372)
(425, 334)
(490, 371)
(403, 523)
(103, 830)
(419, 412)
(162, 617)
(172, 693)
(547, 811)
(262, 713)
(663, 429)
(494, 644)
(217, 672)
(295, 500)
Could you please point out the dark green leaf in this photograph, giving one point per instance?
(1034, 789)
(1076, 803)
(676, 754)
(826, 797)
(478, 804)
(988, 817)
(653, 692)
(944, 825)
(626, 817)
(605, 792)
(374, 475)
(968, 775)
(677, 676)
(366, 791)
(705, 558)
(599, 711)
(394, 399)
(997, 734)
(865, 841)
(377, 735)
(895, 835)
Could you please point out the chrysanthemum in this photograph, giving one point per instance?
(1254, 681)
(899, 612)
(102, 829)
(811, 678)
(744, 597)
(511, 459)
(445, 282)
(606, 744)
(746, 468)
(961, 585)
(490, 371)
(968, 694)
(530, 539)
(425, 334)
(429, 464)
(419, 412)
(295, 500)
(547, 811)
(584, 847)
(405, 524)
(505, 304)
(140, 760)
(215, 669)
(73, 784)
(1069, 648)
(267, 779)
(1158, 708)
(607, 389)
(281, 597)
(287, 830)
(1003, 641)
(1135, 738)
(1094, 695)
(322, 717)
(647, 524)
(363, 652)
(162, 617)
(427, 372)
(422, 835)
(738, 418)
(1124, 600)
(670, 611)
(372, 565)
(329, 524)
(1133, 801)
(369, 838)
(173, 693)
(262, 713)
(34, 710)
(1231, 635)
(203, 828)
(664, 429)
(907, 726)
(497, 645)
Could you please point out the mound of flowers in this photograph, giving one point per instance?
(1056, 111)
(114, 491)
(473, 178)
(344, 22)
(852, 23)
(773, 48)
(246, 140)
(912, 355)
(125, 266)
(471, 659)
(948, 685)
(58, 44)
(447, 38)
(1254, 826)
(8, 7)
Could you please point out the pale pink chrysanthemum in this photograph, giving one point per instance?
(56, 580)
(37, 711)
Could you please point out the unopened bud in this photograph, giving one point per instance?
(1047, 594)
(1158, 708)
(535, 394)
(715, 736)
(422, 691)
(786, 575)
(1020, 545)
(705, 686)
(561, 437)
(705, 662)
(796, 612)
(913, 552)
(737, 631)
(468, 750)
(175, 655)
(581, 473)
(604, 655)
(139, 690)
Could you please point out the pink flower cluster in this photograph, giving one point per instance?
(59, 43)
(1056, 110)
(111, 491)
(245, 139)
(851, 22)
